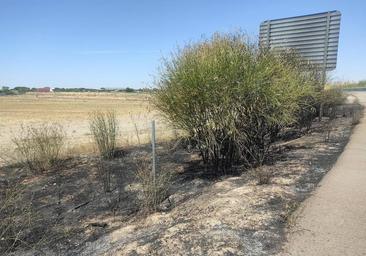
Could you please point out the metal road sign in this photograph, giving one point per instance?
(315, 37)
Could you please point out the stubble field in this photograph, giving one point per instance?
(71, 110)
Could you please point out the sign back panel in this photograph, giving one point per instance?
(315, 37)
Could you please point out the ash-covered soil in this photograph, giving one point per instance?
(230, 215)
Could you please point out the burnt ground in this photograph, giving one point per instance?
(230, 215)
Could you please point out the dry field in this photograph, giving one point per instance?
(71, 110)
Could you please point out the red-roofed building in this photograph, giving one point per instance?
(44, 89)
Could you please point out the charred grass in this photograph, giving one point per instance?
(75, 211)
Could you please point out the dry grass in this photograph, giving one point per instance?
(70, 106)
(104, 127)
(71, 111)
(16, 218)
(40, 147)
(264, 175)
(356, 116)
(154, 189)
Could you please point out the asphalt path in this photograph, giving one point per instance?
(333, 220)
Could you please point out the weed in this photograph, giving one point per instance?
(331, 97)
(17, 217)
(264, 175)
(105, 175)
(104, 127)
(356, 115)
(40, 147)
(328, 128)
(290, 214)
(154, 189)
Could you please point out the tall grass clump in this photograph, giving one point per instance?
(154, 188)
(17, 218)
(39, 147)
(231, 97)
(104, 128)
(328, 99)
(332, 97)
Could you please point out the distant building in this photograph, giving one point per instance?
(44, 89)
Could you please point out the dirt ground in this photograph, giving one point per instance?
(232, 215)
(71, 110)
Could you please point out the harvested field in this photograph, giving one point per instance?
(71, 111)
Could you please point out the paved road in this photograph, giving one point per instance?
(333, 221)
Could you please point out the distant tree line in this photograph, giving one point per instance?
(350, 85)
(5, 90)
(103, 89)
(57, 89)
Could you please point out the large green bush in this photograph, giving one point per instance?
(231, 97)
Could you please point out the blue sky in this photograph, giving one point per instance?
(105, 43)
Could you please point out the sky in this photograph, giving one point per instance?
(116, 43)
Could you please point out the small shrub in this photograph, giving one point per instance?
(328, 128)
(264, 175)
(290, 215)
(105, 175)
(40, 147)
(356, 115)
(328, 99)
(104, 128)
(306, 113)
(16, 218)
(332, 97)
(154, 190)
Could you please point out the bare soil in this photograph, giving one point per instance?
(204, 215)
